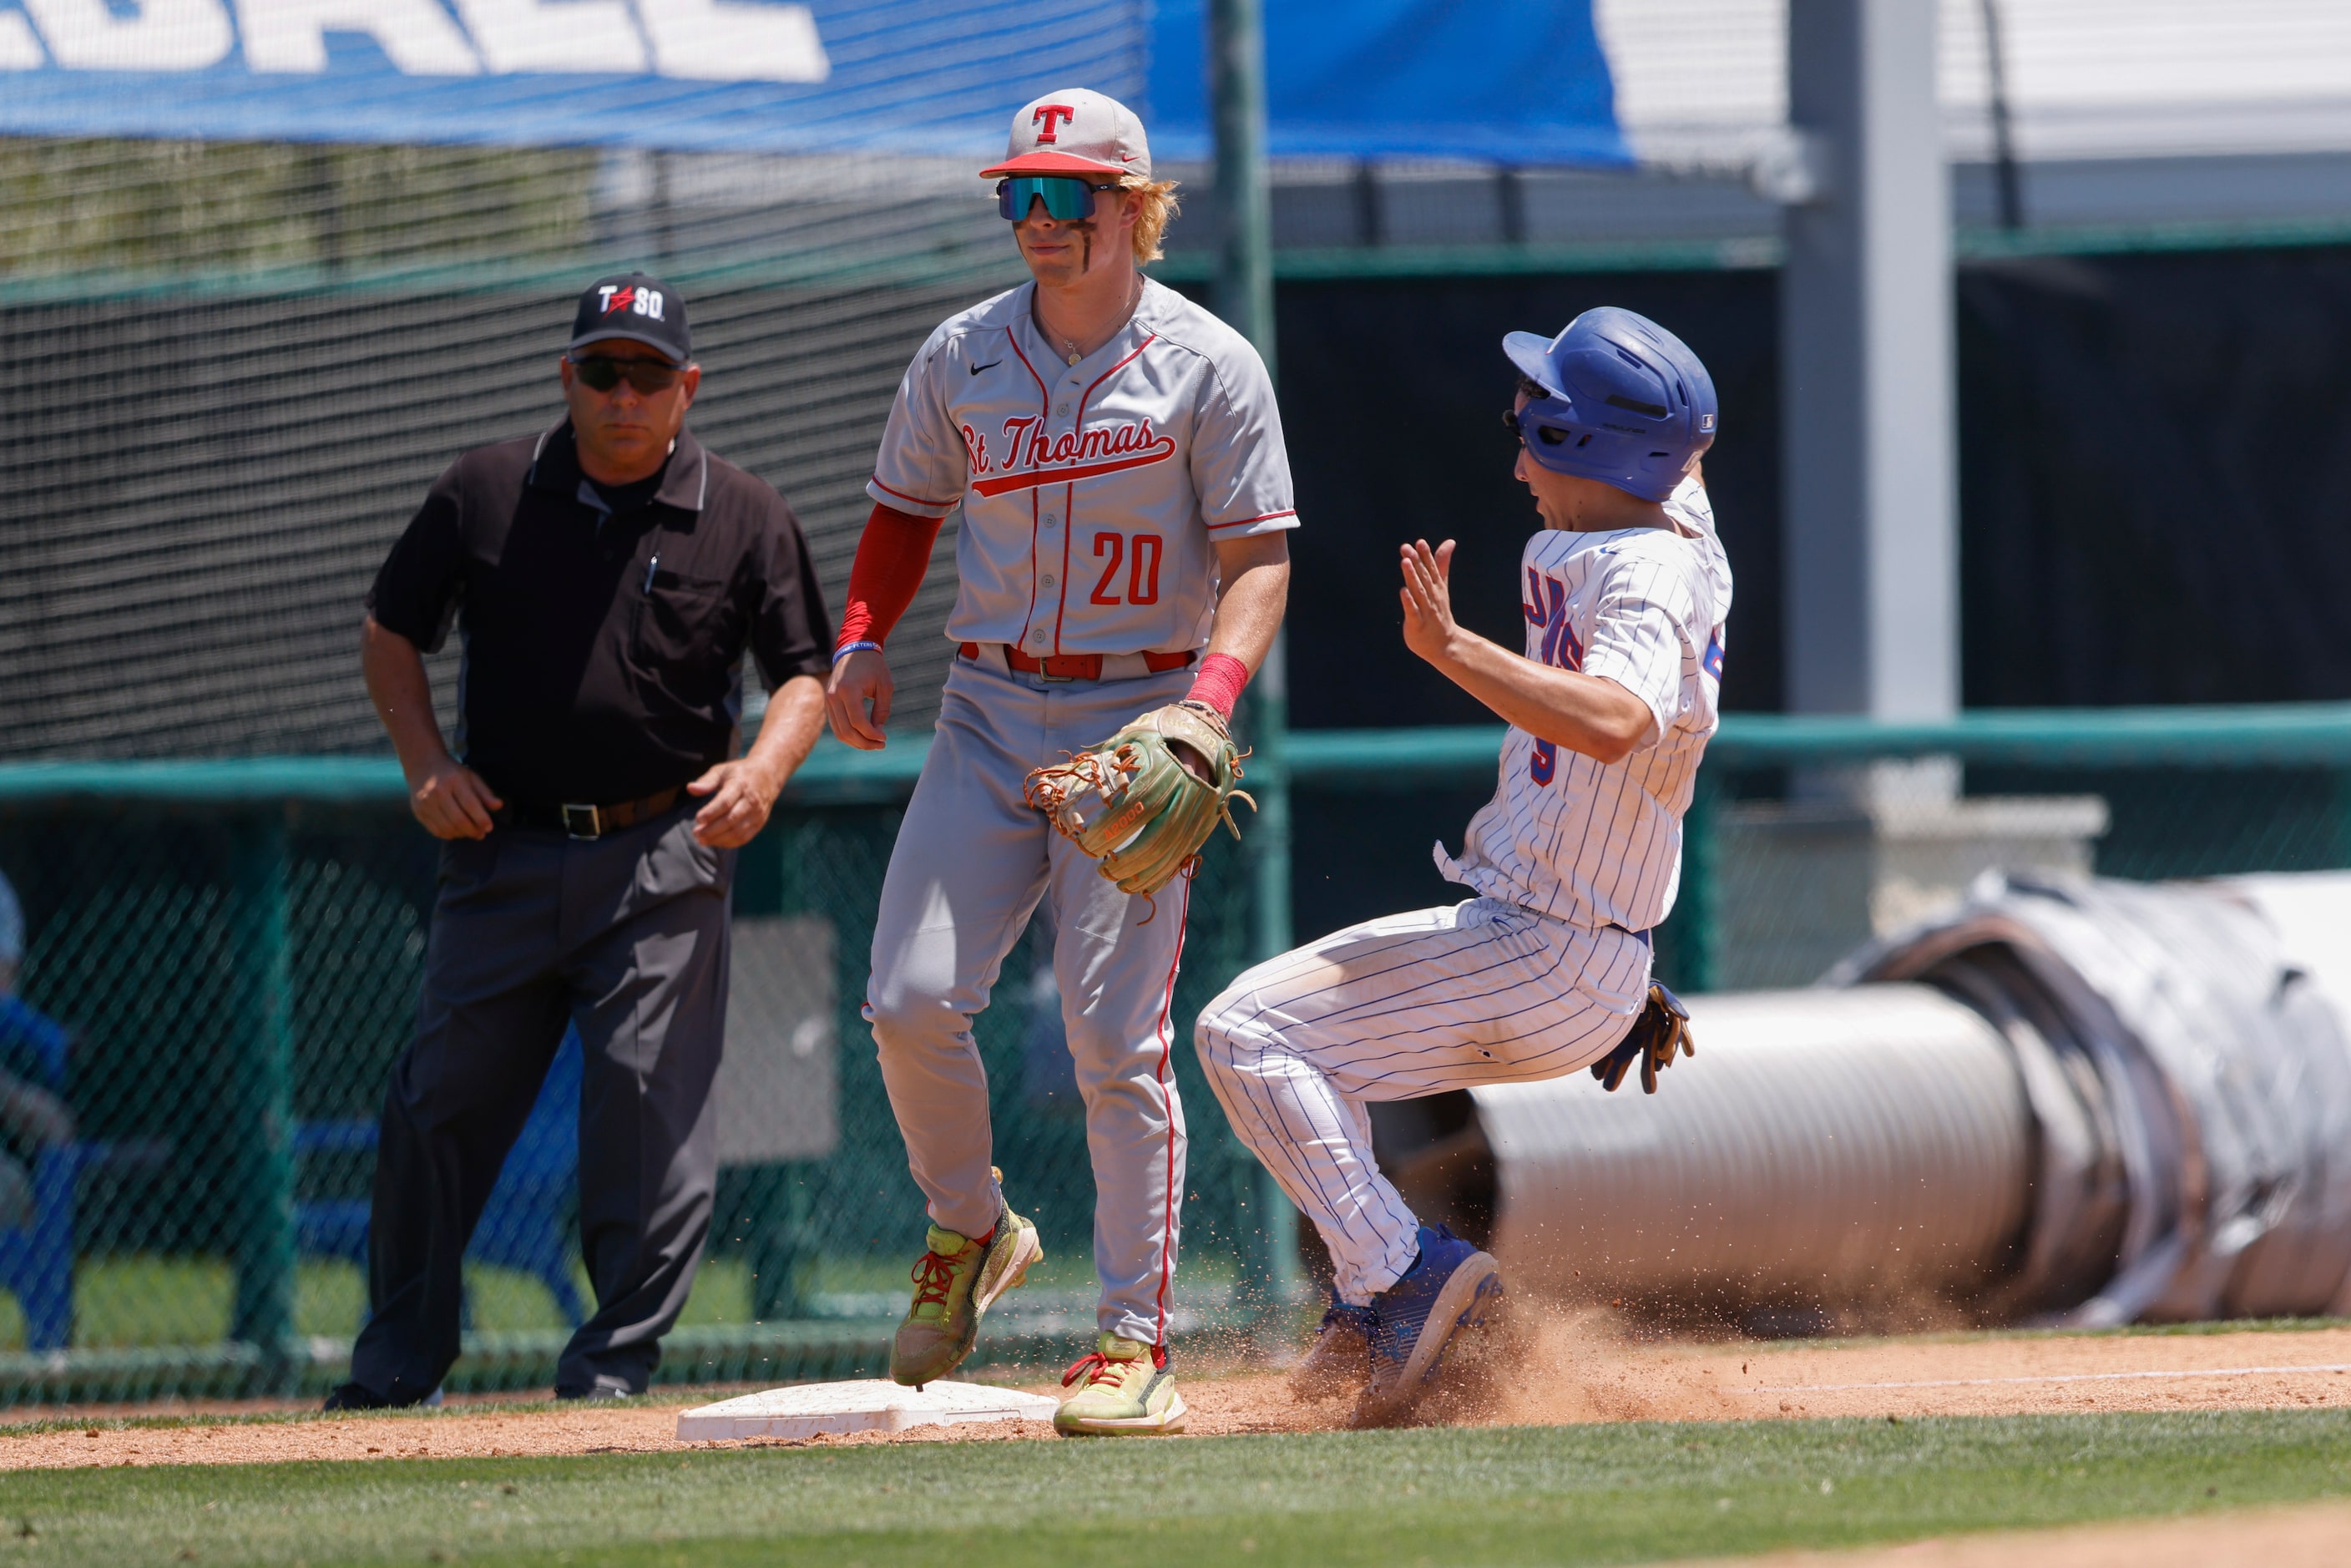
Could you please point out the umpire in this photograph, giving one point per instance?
(606, 579)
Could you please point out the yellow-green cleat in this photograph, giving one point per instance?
(955, 1282)
(1124, 1390)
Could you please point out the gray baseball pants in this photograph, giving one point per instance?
(626, 936)
(972, 860)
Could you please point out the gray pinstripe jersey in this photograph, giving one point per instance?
(1091, 491)
(1599, 843)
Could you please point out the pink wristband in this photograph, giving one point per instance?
(1219, 683)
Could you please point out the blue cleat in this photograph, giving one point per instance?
(1338, 1361)
(1450, 1289)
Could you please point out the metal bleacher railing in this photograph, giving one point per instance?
(226, 953)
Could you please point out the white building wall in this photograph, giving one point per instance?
(2086, 79)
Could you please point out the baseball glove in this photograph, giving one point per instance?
(1130, 804)
(1661, 1030)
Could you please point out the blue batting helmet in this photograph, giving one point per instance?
(1625, 402)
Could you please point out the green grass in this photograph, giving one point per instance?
(144, 1300)
(140, 1300)
(1560, 1495)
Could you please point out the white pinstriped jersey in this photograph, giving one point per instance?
(1597, 843)
(1091, 493)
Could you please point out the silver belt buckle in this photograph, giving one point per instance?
(582, 822)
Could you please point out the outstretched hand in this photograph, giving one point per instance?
(1430, 628)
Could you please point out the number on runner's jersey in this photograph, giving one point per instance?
(1560, 649)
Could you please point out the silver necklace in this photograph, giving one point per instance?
(1069, 346)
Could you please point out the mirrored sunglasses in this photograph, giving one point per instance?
(602, 373)
(1067, 198)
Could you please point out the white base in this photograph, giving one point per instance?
(869, 1405)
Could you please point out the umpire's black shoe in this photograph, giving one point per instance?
(355, 1396)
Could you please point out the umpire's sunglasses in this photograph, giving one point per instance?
(602, 373)
(1067, 199)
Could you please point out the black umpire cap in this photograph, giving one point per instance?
(636, 306)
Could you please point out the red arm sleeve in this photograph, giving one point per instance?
(893, 554)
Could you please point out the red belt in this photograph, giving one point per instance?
(1074, 666)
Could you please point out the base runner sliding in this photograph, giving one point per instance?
(1122, 571)
(1574, 859)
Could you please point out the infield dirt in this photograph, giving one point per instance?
(1566, 1371)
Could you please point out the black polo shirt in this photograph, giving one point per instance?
(601, 650)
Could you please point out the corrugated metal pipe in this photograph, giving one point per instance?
(2080, 1103)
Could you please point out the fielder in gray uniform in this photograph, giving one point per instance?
(1125, 494)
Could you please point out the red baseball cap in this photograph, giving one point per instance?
(1074, 131)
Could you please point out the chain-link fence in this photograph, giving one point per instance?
(1811, 837)
(217, 476)
(222, 958)
(222, 966)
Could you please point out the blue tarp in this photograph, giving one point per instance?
(1516, 80)
(884, 75)
(1509, 81)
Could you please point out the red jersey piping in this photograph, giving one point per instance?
(1068, 532)
(1167, 1105)
(1044, 406)
(916, 499)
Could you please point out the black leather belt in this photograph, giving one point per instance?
(582, 822)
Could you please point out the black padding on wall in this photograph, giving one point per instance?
(2155, 474)
(2156, 478)
(1392, 395)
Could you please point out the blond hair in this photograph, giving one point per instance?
(1154, 204)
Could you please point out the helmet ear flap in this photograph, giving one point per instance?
(1552, 434)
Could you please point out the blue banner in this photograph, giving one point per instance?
(1514, 80)
(754, 76)
(1504, 81)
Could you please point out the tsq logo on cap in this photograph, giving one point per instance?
(637, 308)
(1074, 131)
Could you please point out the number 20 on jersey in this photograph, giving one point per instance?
(1141, 584)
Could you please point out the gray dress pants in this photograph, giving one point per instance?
(625, 935)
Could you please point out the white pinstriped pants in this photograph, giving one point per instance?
(1407, 1005)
